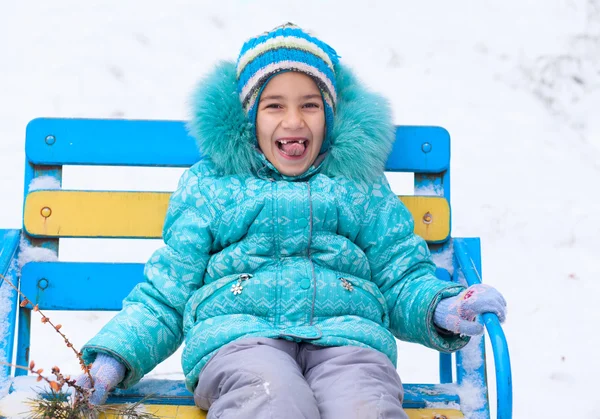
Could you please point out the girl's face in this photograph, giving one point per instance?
(290, 122)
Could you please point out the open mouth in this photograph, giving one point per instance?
(293, 148)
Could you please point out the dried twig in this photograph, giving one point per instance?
(46, 319)
(56, 404)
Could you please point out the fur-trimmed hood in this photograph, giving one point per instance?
(361, 137)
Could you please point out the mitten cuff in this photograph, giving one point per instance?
(108, 370)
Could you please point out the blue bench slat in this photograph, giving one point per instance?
(420, 149)
(166, 143)
(69, 284)
(66, 282)
(110, 142)
(174, 392)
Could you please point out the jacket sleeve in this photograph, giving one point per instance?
(149, 328)
(402, 269)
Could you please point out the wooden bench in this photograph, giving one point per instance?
(52, 214)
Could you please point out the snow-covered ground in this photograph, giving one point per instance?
(515, 82)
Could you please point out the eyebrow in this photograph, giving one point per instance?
(280, 97)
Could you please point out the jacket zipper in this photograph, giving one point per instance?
(312, 265)
(241, 278)
(351, 285)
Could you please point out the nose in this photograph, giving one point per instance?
(292, 119)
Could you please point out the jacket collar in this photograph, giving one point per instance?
(268, 171)
(361, 137)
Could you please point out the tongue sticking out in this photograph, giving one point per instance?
(292, 148)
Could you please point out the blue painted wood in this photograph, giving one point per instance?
(23, 340)
(435, 184)
(468, 257)
(445, 362)
(54, 141)
(445, 368)
(446, 183)
(60, 285)
(174, 392)
(31, 173)
(478, 374)
(110, 142)
(442, 274)
(420, 149)
(9, 251)
(418, 396)
(9, 244)
(429, 184)
(503, 370)
(24, 325)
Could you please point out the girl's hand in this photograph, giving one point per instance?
(459, 314)
(107, 373)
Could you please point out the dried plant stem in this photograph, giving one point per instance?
(54, 385)
(46, 319)
(54, 405)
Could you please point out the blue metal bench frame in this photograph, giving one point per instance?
(53, 143)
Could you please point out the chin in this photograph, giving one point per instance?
(292, 172)
(285, 168)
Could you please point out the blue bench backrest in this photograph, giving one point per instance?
(54, 143)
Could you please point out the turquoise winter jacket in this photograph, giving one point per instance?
(328, 257)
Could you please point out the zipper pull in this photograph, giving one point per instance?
(237, 289)
(346, 284)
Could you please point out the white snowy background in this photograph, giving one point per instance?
(517, 84)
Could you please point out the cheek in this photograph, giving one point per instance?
(320, 124)
(263, 143)
(319, 132)
(266, 122)
(263, 133)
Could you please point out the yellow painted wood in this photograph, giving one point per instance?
(431, 215)
(141, 214)
(167, 412)
(434, 414)
(96, 214)
(191, 412)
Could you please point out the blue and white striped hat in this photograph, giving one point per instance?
(286, 48)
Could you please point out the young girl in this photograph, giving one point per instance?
(289, 265)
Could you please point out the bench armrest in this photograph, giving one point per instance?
(9, 248)
(495, 332)
(9, 243)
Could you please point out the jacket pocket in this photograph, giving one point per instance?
(212, 290)
(371, 291)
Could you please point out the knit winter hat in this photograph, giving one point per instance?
(286, 48)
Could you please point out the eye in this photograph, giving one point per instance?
(313, 105)
(273, 106)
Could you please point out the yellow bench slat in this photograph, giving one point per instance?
(95, 214)
(165, 412)
(59, 213)
(434, 414)
(431, 215)
(191, 412)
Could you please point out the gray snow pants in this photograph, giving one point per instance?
(262, 378)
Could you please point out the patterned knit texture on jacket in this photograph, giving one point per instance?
(328, 257)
